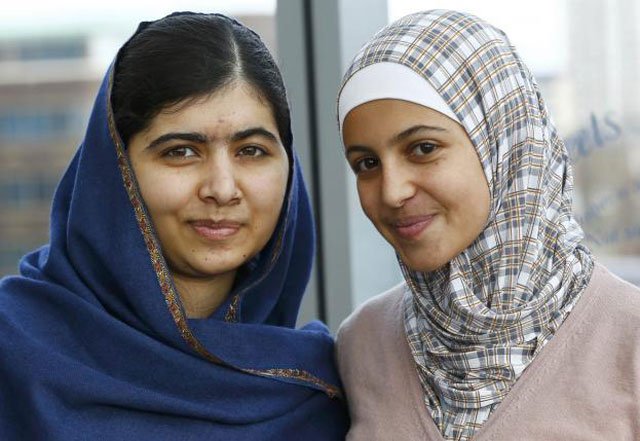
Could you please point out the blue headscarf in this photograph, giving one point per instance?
(95, 344)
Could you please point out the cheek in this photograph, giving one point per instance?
(471, 199)
(480, 199)
(163, 192)
(366, 194)
(266, 191)
(483, 203)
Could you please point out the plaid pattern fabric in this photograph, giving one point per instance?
(474, 325)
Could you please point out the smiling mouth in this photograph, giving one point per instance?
(412, 227)
(215, 230)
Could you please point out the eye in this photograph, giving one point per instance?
(180, 152)
(423, 148)
(252, 150)
(364, 164)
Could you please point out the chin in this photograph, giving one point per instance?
(424, 265)
(208, 268)
(216, 270)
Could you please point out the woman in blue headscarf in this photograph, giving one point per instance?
(181, 244)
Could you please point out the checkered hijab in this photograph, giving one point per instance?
(474, 325)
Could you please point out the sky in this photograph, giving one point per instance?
(538, 32)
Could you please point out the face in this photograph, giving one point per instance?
(419, 179)
(213, 175)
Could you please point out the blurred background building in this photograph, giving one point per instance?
(46, 89)
(585, 55)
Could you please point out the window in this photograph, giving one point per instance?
(43, 49)
(27, 191)
(39, 124)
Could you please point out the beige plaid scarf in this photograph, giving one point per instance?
(474, 325)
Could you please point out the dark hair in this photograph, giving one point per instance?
(189, 55)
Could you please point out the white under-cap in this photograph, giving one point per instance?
(387, 80)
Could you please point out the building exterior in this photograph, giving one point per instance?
(46, 89)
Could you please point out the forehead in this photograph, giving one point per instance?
(233, 107)
(390, 116)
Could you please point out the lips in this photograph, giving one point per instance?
(411, 227)
(215, 230)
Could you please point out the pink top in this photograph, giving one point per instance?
(583, 385)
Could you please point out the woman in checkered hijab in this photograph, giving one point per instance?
(460, 168)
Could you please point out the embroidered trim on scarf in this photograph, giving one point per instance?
(300, 375)
(232, 313)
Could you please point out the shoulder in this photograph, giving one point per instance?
(377, 313)
(614, 297)
(607, 316)
(371, 334)
(378, 372)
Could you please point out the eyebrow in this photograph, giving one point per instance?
(415, 129)
(254, 131)
(186, 136)
(396, 138)
(201, 139)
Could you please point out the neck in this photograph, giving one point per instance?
(202, 296)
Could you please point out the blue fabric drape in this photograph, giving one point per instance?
(94, 343)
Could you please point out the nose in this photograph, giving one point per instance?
(397, 185)
(219, 182)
